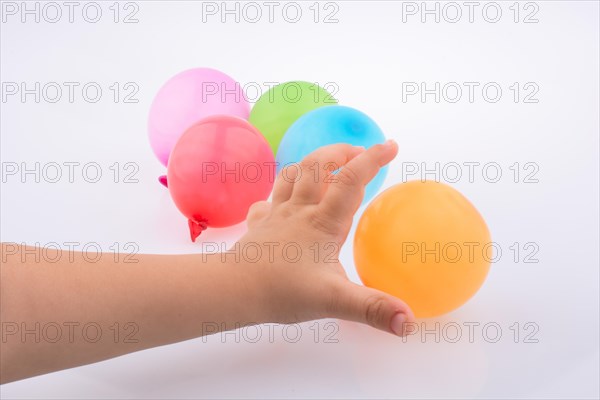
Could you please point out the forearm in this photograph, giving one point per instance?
(155, 301)
(165, 299)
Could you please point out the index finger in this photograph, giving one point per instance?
(343, 197)
(318, 166)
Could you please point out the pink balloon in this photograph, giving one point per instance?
(185, 99)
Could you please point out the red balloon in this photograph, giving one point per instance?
(218, 168)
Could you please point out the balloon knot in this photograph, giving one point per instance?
(196, 227)
(163, 180)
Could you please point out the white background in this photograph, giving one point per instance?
(367, 55)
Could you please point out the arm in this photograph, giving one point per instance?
(170, 298)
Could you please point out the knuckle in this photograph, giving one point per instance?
(285, 210)
(322, 223)
(308, 163)
(375, 310)
(255, 207)
(347, 176)
(333, 303)
(290, 173)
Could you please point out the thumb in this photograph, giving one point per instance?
(257, 211)
(372, 307)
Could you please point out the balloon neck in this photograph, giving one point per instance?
(163, 180)
(196, 228)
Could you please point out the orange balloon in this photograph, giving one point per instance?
(424, 243)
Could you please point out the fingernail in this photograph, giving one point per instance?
(397, 324)
(359, 147)
(390, 142)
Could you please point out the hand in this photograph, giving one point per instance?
(301, 233)
(170, 298)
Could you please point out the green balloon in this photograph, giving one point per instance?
(282, 105)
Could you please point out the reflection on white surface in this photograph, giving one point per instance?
(367, 54)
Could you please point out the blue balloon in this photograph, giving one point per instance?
(329, 125)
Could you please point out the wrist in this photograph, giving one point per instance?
(241, 280)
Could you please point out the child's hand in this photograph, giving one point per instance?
(300, 235)
(170, 298)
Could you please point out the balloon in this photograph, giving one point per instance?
(185, 99)
(283, 104)
(219, 167)
(328, 125)
(424, 243)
